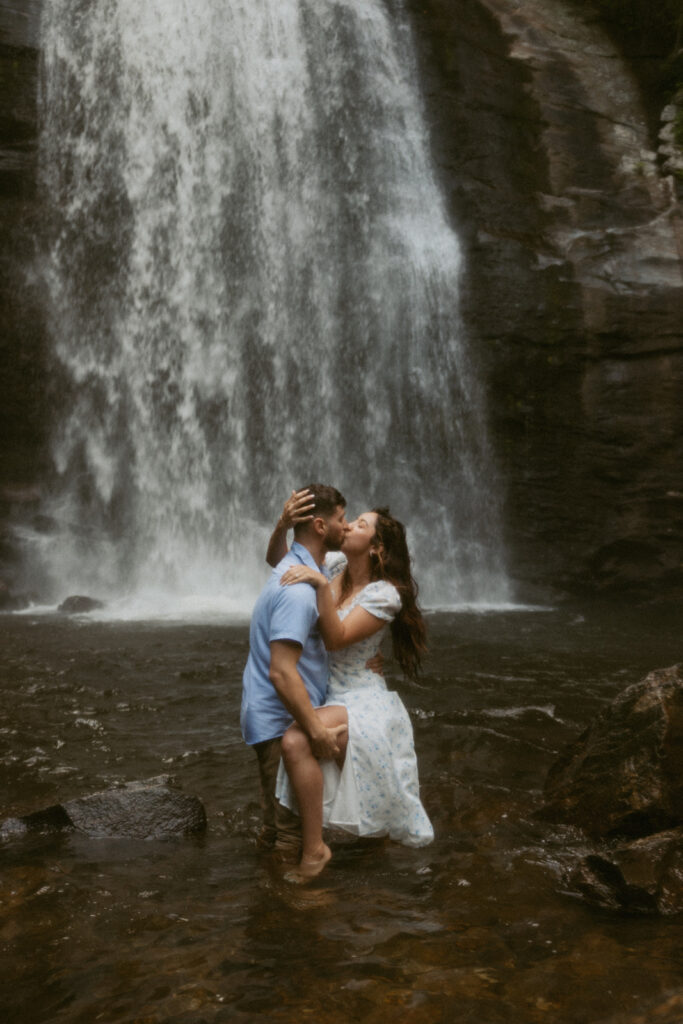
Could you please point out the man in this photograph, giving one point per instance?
(285, 677)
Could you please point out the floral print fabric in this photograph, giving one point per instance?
(376, 793)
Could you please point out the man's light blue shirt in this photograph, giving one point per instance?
(282, 613)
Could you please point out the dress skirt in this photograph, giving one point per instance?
(376, 793)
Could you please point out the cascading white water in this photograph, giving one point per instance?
(253, 284)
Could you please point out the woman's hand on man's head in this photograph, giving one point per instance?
(297, 509)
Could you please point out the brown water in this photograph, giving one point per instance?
(476, 927)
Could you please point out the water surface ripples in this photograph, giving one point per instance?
(475, 927)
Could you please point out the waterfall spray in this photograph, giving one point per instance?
(252, 284)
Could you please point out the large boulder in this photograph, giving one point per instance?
(643, 876)
(624, 775)
(149, 809)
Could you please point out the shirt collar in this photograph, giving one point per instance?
(305, 556)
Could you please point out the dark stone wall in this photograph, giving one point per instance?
(545, 140)
(487, 148)
(23, 364)
(22, 335)
(650, 36)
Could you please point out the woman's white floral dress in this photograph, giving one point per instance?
(376, 793)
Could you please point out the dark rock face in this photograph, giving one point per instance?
(624, 774)
(547, 146)
(150, 809)
(623, 777)
(545, 121)
(23, 379)
(11, 602)
(23, 350)
(644, 876)
(78, 604)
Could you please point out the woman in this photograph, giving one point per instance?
(372, 790)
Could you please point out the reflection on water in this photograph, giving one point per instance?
(474, 928)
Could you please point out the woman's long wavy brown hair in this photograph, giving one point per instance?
(391, 562)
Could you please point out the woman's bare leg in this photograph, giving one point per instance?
(305, 775)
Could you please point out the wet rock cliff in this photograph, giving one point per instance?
(555, 129)
(547, 119)
(23, 373)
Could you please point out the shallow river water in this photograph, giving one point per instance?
(476, 927)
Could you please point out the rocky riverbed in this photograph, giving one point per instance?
(197, 927)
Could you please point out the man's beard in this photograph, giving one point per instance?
(333, 545)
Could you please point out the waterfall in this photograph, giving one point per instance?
(252, 283)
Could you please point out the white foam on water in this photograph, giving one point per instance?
(545, 709)
(169, 608)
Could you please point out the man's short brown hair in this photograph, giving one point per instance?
(326, 501)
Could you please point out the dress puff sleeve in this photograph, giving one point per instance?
(335, 563)
(381, 599)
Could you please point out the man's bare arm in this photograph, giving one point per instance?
(285, 677)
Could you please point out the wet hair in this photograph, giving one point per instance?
(326, 502)
(391, 562)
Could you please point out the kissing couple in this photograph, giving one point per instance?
(334, 745)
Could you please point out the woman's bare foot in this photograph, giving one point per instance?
(310, 867)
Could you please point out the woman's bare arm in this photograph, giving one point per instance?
(296, 509)
(336, 633)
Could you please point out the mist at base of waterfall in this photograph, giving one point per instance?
(252, 282)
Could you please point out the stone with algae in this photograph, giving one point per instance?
(623, 776)
(644, 876)
(148, 809)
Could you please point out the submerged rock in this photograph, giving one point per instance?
(148, 809)
(77, 604)
(624, 774)
(664, 1009)
(643, 876)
